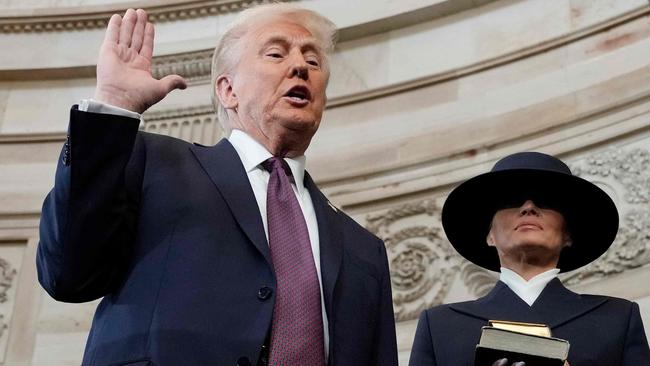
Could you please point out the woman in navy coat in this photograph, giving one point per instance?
(530, 219)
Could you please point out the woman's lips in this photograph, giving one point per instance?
(528, 226)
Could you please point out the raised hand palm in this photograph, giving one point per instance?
(124, 65)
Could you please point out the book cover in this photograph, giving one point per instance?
(497, 343)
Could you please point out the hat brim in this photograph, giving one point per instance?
(590, 214)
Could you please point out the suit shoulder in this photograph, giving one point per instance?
(611, 301)
(445, 318)
(155, 140)
(353, 226)
(444, 309)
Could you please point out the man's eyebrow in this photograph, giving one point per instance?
(308, 44)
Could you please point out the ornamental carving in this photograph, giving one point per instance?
(196, 124)
(628, 173)
(194, 67)
(423, 265)
(479, 281)
(157, 14)
(7, 276)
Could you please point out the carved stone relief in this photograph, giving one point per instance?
(194, 67)
(423, 265)
(628, 173)
(8, 275)
(196, 124)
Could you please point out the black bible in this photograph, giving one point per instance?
(534, 350)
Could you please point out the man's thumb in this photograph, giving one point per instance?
(172, 82)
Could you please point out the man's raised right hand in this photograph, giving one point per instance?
(124, 65)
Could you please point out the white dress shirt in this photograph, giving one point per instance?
(252, 154)
(530, 290)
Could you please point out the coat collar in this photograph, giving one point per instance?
(225, 169)
(555, 306)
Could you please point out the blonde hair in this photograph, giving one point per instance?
(227, 52)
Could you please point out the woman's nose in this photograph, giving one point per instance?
(529, 208)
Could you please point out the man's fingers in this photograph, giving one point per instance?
(138, 30)
(113, 29)
(501, 362)
(171, 82)
(126, 30)
(147, 43)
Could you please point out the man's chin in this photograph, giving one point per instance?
(298, 123)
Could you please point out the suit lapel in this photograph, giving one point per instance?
(331, 241)
(223, 166)
(500, 304)
(557, 305)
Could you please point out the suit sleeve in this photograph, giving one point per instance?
(387, 340)
(636, 350)
(422, 353)
(88, 219)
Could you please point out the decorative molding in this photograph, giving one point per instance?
(196, 124)
(157, 14)
(423, 265)
(7, 276)
(484, 65)
(40, 137)
(629, 170)
(479, 281)
(200, 110)
(379, 223)
(62, 19)
(193, 66)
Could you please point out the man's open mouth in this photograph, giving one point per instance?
(299, 94)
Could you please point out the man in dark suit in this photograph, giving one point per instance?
(538, 220)
(222, 255)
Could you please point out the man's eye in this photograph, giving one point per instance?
(274, 55)
(313, 62)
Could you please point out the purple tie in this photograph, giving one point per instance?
(297, 327)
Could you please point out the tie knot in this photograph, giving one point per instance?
(274, 163)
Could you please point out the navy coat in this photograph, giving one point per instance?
(170, 235)
(602, 331)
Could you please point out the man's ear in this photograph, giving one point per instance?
(225, 93)
(490, 238)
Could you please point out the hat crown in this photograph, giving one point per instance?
(531, 160)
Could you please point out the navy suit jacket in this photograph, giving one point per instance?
(170, 235)
(602, 331)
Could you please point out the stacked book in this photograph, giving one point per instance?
(527, 342)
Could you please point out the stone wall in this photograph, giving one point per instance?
(424, 94)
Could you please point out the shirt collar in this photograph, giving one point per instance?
(530, 290)
(252, 154)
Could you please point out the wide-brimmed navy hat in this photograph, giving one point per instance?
(590, 214)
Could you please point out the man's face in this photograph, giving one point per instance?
(528, 229)
(279, 86)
